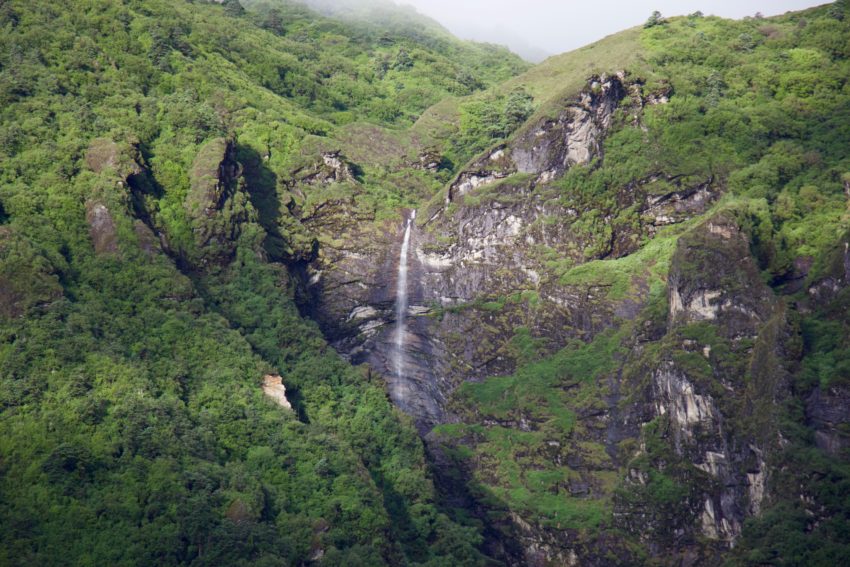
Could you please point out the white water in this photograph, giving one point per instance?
(401, 300)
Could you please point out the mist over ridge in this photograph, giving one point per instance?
(536, 29)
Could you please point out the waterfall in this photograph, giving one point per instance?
(401, 299)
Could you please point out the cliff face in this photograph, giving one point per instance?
(480, 257)
(482, 267)
(714, 392)
(678, 434)
(547, 147)
(626, 332)
(462, 258)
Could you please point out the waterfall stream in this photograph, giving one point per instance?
(401, 301)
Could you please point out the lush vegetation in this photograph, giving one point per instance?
(133, 342)
(758, 110)
(534, 409)
(134, 430)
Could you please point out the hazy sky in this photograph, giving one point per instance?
(555, 26)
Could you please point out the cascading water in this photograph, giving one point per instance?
(401, 301)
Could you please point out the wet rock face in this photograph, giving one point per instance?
(828, 406)
(468, 256)
(101, 228)
(458, 319)
(352, 293)
(829, 411)
(480, 267)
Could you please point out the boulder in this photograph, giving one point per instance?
(273, 387)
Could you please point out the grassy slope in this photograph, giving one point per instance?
(550, 82)
(566, 74)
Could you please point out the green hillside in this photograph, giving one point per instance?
(175, 176)
(134, 430)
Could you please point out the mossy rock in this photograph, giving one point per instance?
(124, 158)
(213, 170)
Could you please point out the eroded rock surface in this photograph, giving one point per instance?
(273, 387)
(700, 399)
(491, 258)
(548, 147)
(493, 241)
(101, 228)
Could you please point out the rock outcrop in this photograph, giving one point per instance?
(333, 168)
(123, 159)
(217, 203)
(273, 387)
(828, 410)
(714, 277)
(828, 404)
(125, 191)
(496, 255)
(492, 239)
(101, 228)
(546, 148)
(718, 414)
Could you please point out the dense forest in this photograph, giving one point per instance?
(134, 428)
(176, 176)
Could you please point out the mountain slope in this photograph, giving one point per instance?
(618, 305)
(140, 314)
(626, 335)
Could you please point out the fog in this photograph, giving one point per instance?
(535, 28)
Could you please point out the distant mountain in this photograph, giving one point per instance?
(384, 12)
(501, 36)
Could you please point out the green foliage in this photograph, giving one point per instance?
(757, 117)
(790, 533)
(537, 409)
(752, 110)
(621, 277)
(485, 120)
(130, 401)
(233, 8)
(825, 336)
(655, 19)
